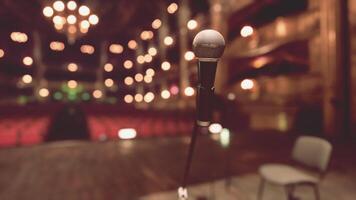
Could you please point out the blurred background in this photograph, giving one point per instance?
(97, 98)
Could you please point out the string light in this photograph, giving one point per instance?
(172, 8)
(189, 55)
(156, 24)
(148, 58)
(27, 78)
(174, 90)
(150, 72)
(109, 82)
(58, 6)
(71, 5)
(47, 11)
(139, 77)
(71, 19)
(138, 98)
(97, 94)
(56, 46)
(247, 84)
(28, 61)
(189, 91)
(168, 41)
(108, 67)
(84, 24)
(19, 37)
(116, 48)
(165, 66)
(87, 49)
(72, 67)
(165, 94)
(149, 97)
(2, 53)
(128, 80)
(84, 10)
(192, 24)
(152, 51)
(128, 64)
(43, 92)
(132, 44)
(246, 31)
(128, 98)
(93, 19)
(147, 79)
(140, 59)
(72, 84)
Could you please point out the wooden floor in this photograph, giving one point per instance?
(81, 170)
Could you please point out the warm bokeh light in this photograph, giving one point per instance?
(72, 84)
(260, 62)
(246, 31)
(72, 67)
(58, 26)
(43, 92)
(27, 78)
(88, 49)
(58, 6)
(146, 35)
(148, 58)
(172, 8)
(139, 77)
(109, 82)
(147, 79)
(84, 10)
(138, 98)
(192, 24)
(247, 84)
(97, 94)
(150, 72)
(165, 66)
(127, 133)
(72, 29)
(47, 11)
(84, 30)
(28, 61)
(132, 44)
(215, 128)
(84, 24)
(140, 59)
(156, 24)
(149, 97)
(128, 80)
(168, 40)
(108, 67)
(71, 5)
(174, 89)
(2, 53)
(128, 64)
(19, 37)
(152, 51)
(116, 48)
(128, 98)
(189, 55)
(189, 91)
(231, 96)
(71, 19)
(56, 46)
(165, 94)
(58, 20)
(93, 19)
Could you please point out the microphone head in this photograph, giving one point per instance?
(208, 45)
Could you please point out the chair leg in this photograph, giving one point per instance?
(316, 192)
(260, 189)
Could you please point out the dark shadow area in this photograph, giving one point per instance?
(69, 124)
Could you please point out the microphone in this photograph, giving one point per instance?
(208, 47)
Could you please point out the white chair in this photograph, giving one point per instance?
(311, 153)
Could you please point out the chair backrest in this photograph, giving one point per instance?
(313, 152)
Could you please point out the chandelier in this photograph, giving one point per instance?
(70, 19)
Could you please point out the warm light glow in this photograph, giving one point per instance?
(215, 128)
(27, 78)
(116, 48)
(132, 44)
(72, 29)
(83, 30)
(192, 24)
(72, 84)
(260, 62)
(88, 49)
(140, 59)
(156, 24)
(128, 98)
(58, 26)
(56, 46)
(150, 72)
(165, 66)
(58, 6)
(84, 24)
(165, 94)
(281, 27)
(71, 5)
(172, 8)
(47, 11)
(127, 133)
(147, 79)
(2, 53)
(71, 19)
(72, 67)
(28, 61)
(138, 98)
(225, 137)
(93, 19)
(19, 37)
(128, 80)
(149, 97)
(128, 64)
(168, 40)
(189, 91)
(97, 94)
(43, 92)
(189, 55)
(139, 77)
(152, 51)
(146, 35)
(174, 90)
(231, 96)
(148, 58)
(84, 10)
(108, 67)
(109, 82)
(246, 31)
(247, 84)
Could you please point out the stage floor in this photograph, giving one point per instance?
(138, 169)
